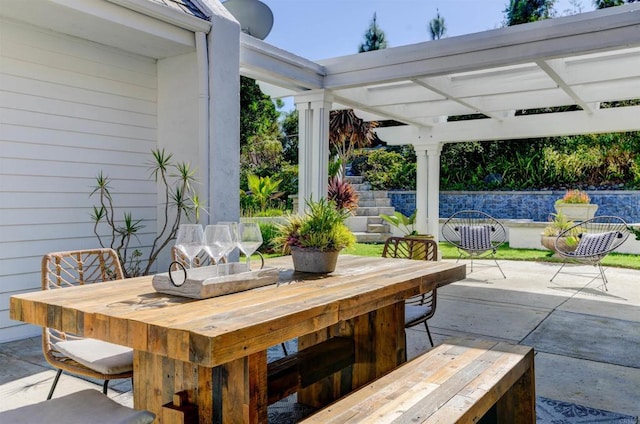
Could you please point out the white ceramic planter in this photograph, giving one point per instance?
(577, 211)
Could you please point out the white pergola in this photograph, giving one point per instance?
(583, 60)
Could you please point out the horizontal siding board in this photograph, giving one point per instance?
(18, 266)
(91, 154)
(60, 122)
(39, 104)
(78, 65)
(37, 88)
(35, 232)
(58, 200)
(72, 169)
(44, 136)
(16, 282)
(19, 332)
(42, 72)
(27, 248)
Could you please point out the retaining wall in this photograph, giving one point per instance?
(532, 205)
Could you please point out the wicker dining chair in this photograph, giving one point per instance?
(591, 241)
(417, 309)
(475, 234)
(68, 352)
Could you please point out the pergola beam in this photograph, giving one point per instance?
(556, 71)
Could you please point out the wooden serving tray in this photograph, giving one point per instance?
(202, 283)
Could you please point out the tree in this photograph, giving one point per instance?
(602, 4)
(347, 132)
(524, 11)
(290, 136)
(437, 27)
(374, 38)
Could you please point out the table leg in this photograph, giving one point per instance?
(518, 404)
(232, 392)
(379, 340)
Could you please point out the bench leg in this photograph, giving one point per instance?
(518, 404)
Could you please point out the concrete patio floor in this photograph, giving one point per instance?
(587, 340)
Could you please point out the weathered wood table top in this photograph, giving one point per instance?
(213, 331)
(222, 330)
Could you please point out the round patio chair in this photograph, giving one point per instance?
(475, 234)
(590, 241)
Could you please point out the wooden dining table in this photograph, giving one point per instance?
(215, 350)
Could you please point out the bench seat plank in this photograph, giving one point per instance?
(457, 382)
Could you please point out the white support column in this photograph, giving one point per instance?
(422, 189)
(313, 145)
(433, 189)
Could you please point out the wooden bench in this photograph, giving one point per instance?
(460, 381)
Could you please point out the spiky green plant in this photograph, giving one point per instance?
(180, 201)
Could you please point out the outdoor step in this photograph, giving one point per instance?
(355, 179)
(383, 201)
(379, 194)
(371, 237)
(374, 220)
(361, 187)
(365, 195)
(378, 228)
(357, 223)
(368, 203)
(375, 211)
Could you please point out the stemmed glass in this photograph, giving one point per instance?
(233, 229)
(249, 239)
(190, 240)
(217, 242)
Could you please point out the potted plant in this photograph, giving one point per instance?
(557, 225)
(576, 206)
(316, 238)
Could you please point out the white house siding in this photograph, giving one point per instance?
(69, 109)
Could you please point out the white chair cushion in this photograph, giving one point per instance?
(594, 244)
(86, 406)
(107, 358)
(475, 237)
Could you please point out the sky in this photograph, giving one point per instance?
(320, 29)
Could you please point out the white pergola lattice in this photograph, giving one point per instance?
(582, 61)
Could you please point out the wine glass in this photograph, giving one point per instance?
(249, 239)
(233, 229)
(189, 240)
(217, 242)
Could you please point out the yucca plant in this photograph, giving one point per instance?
(180, 201)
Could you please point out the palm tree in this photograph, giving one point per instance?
(347, 132)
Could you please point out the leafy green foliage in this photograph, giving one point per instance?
(437, 27)
(402, 222)
(322, 228)
(386, 169)
(180, 200)
(263, 189)
(524, 11)
(269, 233)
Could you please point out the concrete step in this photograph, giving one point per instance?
(371, 237)
(362, 187)
(378, 228)
(369, 203)
(353, 179)
(365, 195)
(375, 210)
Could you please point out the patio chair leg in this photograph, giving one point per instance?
(499, 267)
(558, 271)
(428, 333)
(105, 386)
(604, 277)
(55, 383)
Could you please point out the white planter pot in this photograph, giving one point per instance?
(577, 211)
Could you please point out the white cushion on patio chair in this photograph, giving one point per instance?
(592, 244)
(104, 357)
(475, 237)
(85, 406)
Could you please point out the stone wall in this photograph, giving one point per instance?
(533, 205)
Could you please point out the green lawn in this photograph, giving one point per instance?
(507, 253)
